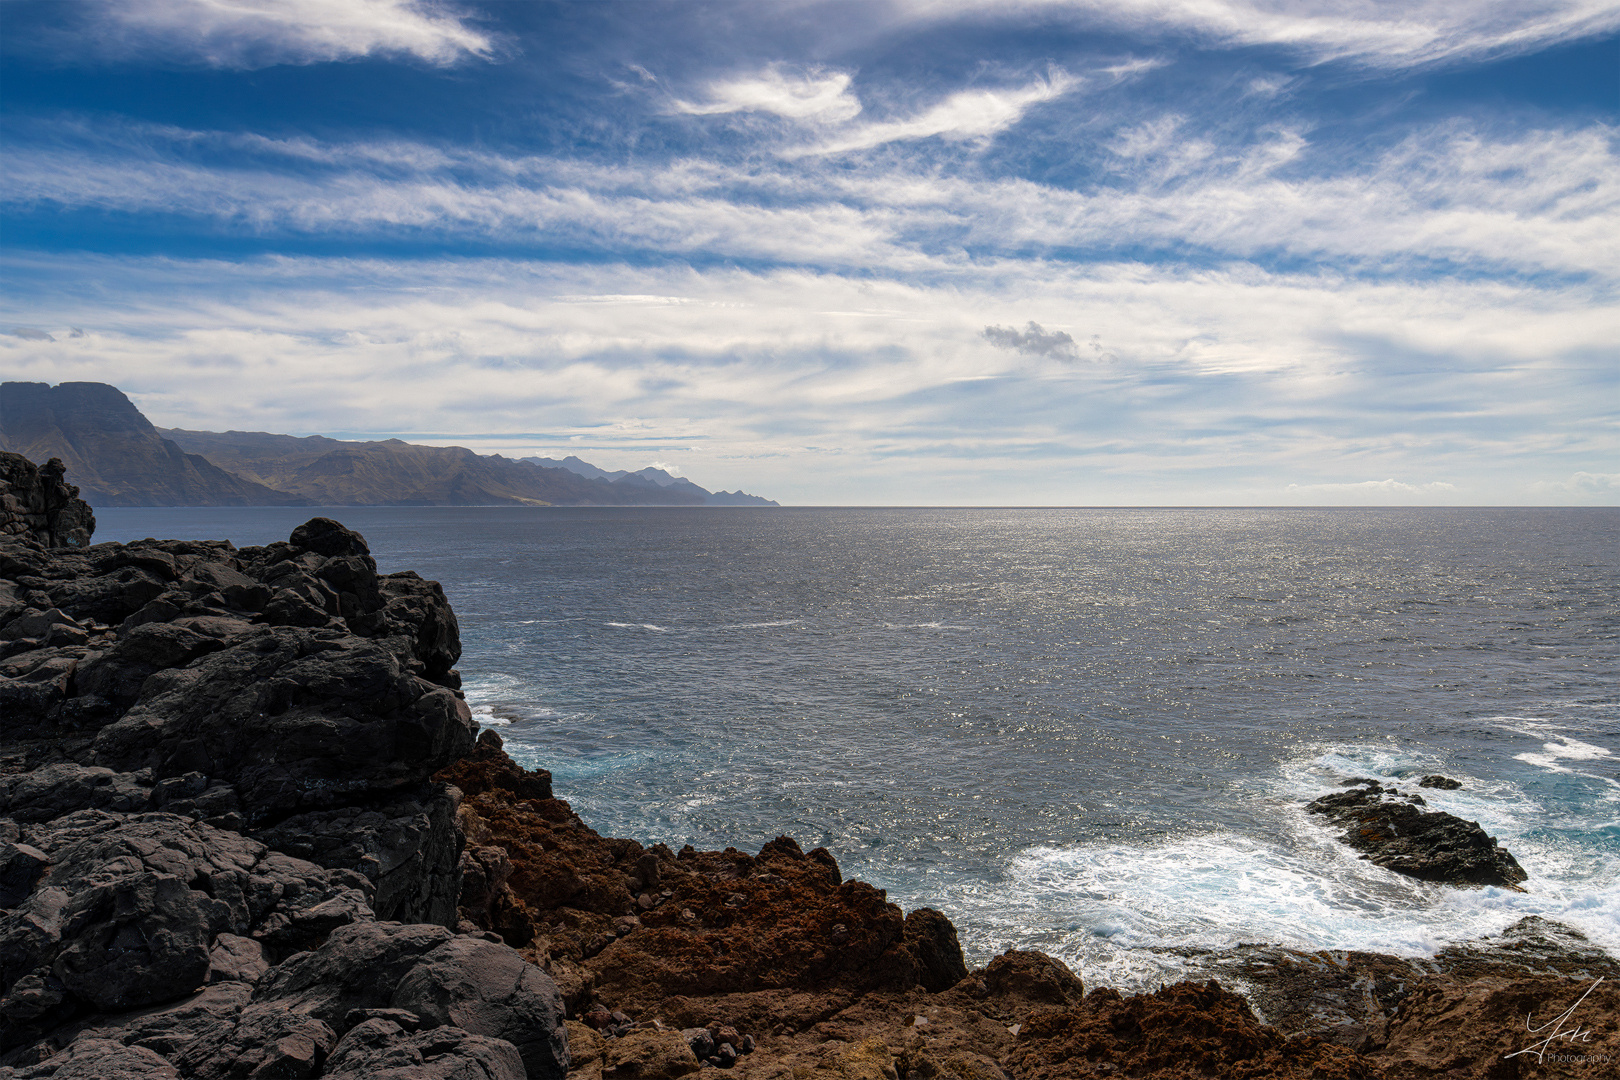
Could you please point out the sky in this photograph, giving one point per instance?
(895, 252)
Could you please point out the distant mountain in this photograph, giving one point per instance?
(118, 458)
(655, 477)
(114, 454)
(331, 472)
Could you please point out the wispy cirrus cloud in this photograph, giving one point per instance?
(260, 33)
(1528, 202)
(824, 99)
(1367, 31)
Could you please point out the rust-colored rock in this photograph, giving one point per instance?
(1182, 1031)
(702, 923)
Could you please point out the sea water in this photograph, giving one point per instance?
(1090, 732)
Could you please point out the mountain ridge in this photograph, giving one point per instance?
(120, 458)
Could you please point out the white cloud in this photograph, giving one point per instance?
(1528, 202)
(1373, 32)
(1593, 484)
(259, 33)
(815, 94)
(1374, 488)
(967, 114)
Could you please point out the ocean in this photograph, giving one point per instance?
(1090, 732)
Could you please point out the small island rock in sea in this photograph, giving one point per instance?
(248, 828)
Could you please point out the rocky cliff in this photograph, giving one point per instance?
(36, 502)
(246, 830)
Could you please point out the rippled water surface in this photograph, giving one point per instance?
(1087, 731)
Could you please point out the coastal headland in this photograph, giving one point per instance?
(248, 827)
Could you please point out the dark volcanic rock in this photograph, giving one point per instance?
(488, 989)
(36, 502)
(1431, 845)
(357, 968)
(266, 1039)
(100, 1059)
(130, 904)
(380, 1049)
(1445, 783)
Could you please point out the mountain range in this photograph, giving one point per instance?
(119, 458)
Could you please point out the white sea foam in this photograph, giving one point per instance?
(1127, 915)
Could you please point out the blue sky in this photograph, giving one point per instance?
(924, 251)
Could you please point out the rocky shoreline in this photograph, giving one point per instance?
(248, 828)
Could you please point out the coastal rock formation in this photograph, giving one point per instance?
(820, 978)
(1430, 845)
(35, 501)
(639, 925)
(1185, 1030)
(214, 800)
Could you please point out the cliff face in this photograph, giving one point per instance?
(114, 453)
(36, 502)
(220, 850)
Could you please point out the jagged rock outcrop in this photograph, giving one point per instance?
(639, 925)
(1392, 832)
(36, 502)
(214, 780)
(1185, 1030)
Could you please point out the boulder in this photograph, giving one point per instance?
(649, 1055)
(234, 959)
(170, 1029)
(1024, 978)
(358, 967)
(488, 989)
(101, 1059)
(1390, 830)
(379, 1049)
(267, 1039)
(407, 846)
(130, 912)
(54, 791)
